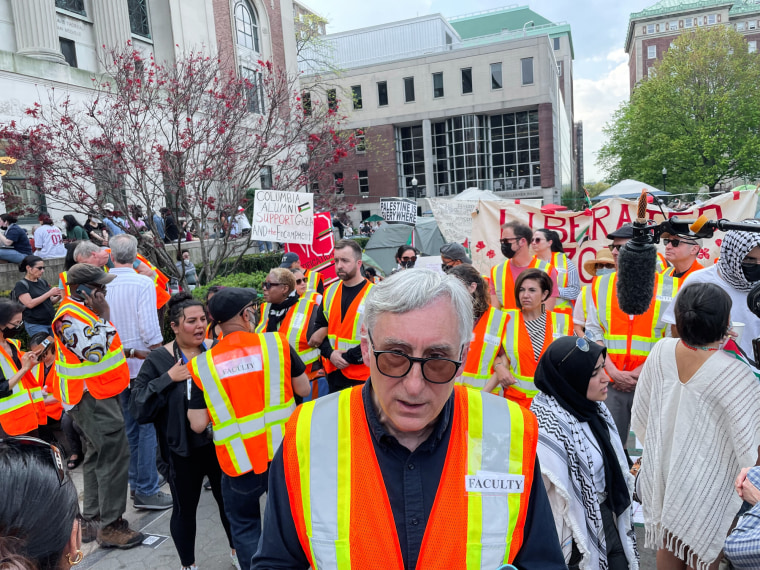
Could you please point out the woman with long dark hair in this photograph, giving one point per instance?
(74, 230)
(39, 508)
(37, 296)
(160, 395)
(583, 464)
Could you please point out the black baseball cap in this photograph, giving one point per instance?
(623, 232)
(229, 302)
(289, 259)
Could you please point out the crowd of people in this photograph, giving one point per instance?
(360, 407)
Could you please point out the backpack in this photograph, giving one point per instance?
(13, 295)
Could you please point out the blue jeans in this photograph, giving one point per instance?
(143, 474)
(32, 329)
(243, 509)
(265, 246)
(12, 255)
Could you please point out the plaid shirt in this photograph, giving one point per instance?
(743, 544)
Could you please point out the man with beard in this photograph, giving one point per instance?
(339, 320)
(515, 246)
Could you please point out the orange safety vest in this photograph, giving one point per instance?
(343, 334)
(677, 281)
(160, 280)
(662, 263)
(487, 338)
(247, 387)
(560, 263)
(49, 381)
(313, 280)
(630, 338)
(501, 276)
(24, 409)
(295, 326)
(63, 285)
(105, 379)
(343, 515)
(519, 349)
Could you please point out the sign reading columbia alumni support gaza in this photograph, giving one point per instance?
(285, 217)
(399, 211)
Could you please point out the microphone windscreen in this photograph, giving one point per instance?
(698, 223)
(637, 264)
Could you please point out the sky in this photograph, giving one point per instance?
(598, 28)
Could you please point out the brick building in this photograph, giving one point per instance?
(651, 31)
(483, 100)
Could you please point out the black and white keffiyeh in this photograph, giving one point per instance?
(734, 248)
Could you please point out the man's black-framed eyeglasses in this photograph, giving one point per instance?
(615, 246)
(677, 242)
(395, 364)
(55, 453)
(581, 344)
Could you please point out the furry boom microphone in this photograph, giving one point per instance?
(637, 264)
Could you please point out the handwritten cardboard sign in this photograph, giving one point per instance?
(285, 217)
(399, 211)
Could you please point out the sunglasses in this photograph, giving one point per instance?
(581, 344)
(676, 242)
(536, 240)
(55, 453)
(395, 364)
(268, 285)
(413, 258)
(300, 281)
(615, 247)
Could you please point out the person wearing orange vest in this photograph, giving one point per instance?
(46, 379)
(602, 264)
(372, 477)
(681, 252)
(92, 371)
(515, 246)
(20, 396)
(628, 338)
(530, 330)
(314, 280)
(340, 318)
(547, 246)
(244, 386)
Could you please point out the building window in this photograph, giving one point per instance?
(688, 23)
(752, 24)
(514, 151)
(76, 6)
(559, 68)
(527, 70)
(496, 82)
(247, 26)
(266, 178)
(315, 187)
(466, 80)
(712, 19)
(651, 52)
(437, 85)
(254, 90)
(410, 157)
(673, 25)
(306, 102)
(650, 29)
(740, 26)
(361, 141)
(338, 181)
(556, 43)
(752, 47)
(332, 99)
(138, 17)
(69, 51)
(409, 89)
(356, 95)
(382, 93)
(363, 182)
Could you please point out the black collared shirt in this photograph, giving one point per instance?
(411, 480)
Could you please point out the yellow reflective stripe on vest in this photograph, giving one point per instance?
(666, 288)
(86, 369)
(326, 481)
(499, 275)
(298, 324)
(312, 281)
(602, 298)
(496, 323)
(263, 318)
(559, 261)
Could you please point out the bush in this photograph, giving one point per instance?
(254, 280)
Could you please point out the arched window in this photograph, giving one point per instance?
(247, 26)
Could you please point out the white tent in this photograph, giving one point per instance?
(629, 189)
(475, 194)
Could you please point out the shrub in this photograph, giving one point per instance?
(237, 280)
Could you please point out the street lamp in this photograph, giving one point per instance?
(664, 177)
(414, 189)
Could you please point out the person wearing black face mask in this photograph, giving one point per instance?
(22, 407)
(406, 257)
(736, 272)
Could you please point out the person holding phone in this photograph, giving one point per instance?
(92, 371)
(37, 296)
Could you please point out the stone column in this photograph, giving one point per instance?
(36, 31)
(111, 22)
(427, 148)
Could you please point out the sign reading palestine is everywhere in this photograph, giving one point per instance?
(399, 211)
(285, 217)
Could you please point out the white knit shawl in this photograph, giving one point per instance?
(688, 497)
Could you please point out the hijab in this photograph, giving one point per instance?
(733, 249)
(568, 383)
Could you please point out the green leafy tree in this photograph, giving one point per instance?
(697, 114)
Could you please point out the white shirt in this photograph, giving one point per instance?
(242, 222)
(740, 313)
(48, 242)
(132, 300)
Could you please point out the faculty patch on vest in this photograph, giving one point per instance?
(243, 365)
(664, 298)
(492, 339)
(494, 483)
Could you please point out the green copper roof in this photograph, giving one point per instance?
(495, 21)
(664, 7)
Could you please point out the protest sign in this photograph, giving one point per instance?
(454, 217)
(285, 217)
(318, 256)
(583, 234)
(399, 211)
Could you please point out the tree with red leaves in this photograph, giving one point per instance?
(190, 136)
